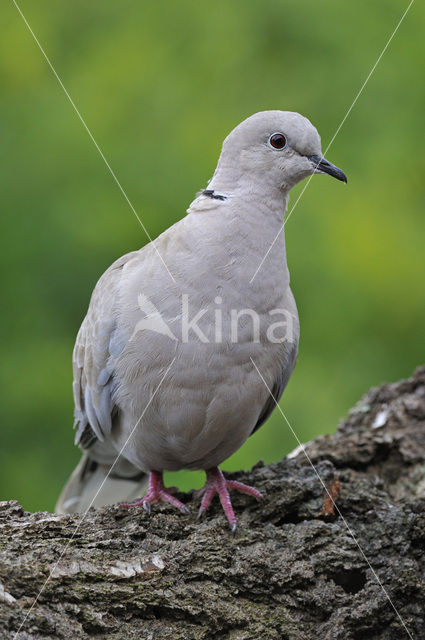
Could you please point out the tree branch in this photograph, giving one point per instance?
(293, 570)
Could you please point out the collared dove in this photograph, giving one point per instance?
(167, 360)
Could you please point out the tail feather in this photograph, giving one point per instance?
(93, 485)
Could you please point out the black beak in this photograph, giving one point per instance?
(322, 165)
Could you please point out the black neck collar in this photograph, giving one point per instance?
(210, 193)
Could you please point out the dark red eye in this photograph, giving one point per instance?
(278, 141)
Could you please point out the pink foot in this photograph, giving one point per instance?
(157, 492)
(217, 483)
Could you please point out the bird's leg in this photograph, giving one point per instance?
(156, 493)
(217, 483)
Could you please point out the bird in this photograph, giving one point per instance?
(189, 342)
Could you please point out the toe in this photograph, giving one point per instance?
(166, 497)
(129, 505)
(244, 488)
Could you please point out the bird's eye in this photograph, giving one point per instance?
(278, 141)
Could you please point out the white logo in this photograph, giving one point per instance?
(219, 324)
(153, 320)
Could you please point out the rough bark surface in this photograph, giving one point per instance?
(297, 568)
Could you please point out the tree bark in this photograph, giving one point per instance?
(298, 567)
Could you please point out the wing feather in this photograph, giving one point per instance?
(96, 347)
(278, 387)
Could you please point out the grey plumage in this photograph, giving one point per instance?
(212, 398)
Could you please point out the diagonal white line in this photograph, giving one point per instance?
(333, 501)
(338, 129)
(94, 498)
(83, 122)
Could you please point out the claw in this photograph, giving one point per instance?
(147, 507)
(157, 493)
(216, 483)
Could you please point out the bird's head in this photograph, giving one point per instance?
(279, 148)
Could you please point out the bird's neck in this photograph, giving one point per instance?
(251, 215)
(252, 201)
(229, 181)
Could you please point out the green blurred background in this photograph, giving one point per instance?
(160, 84)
